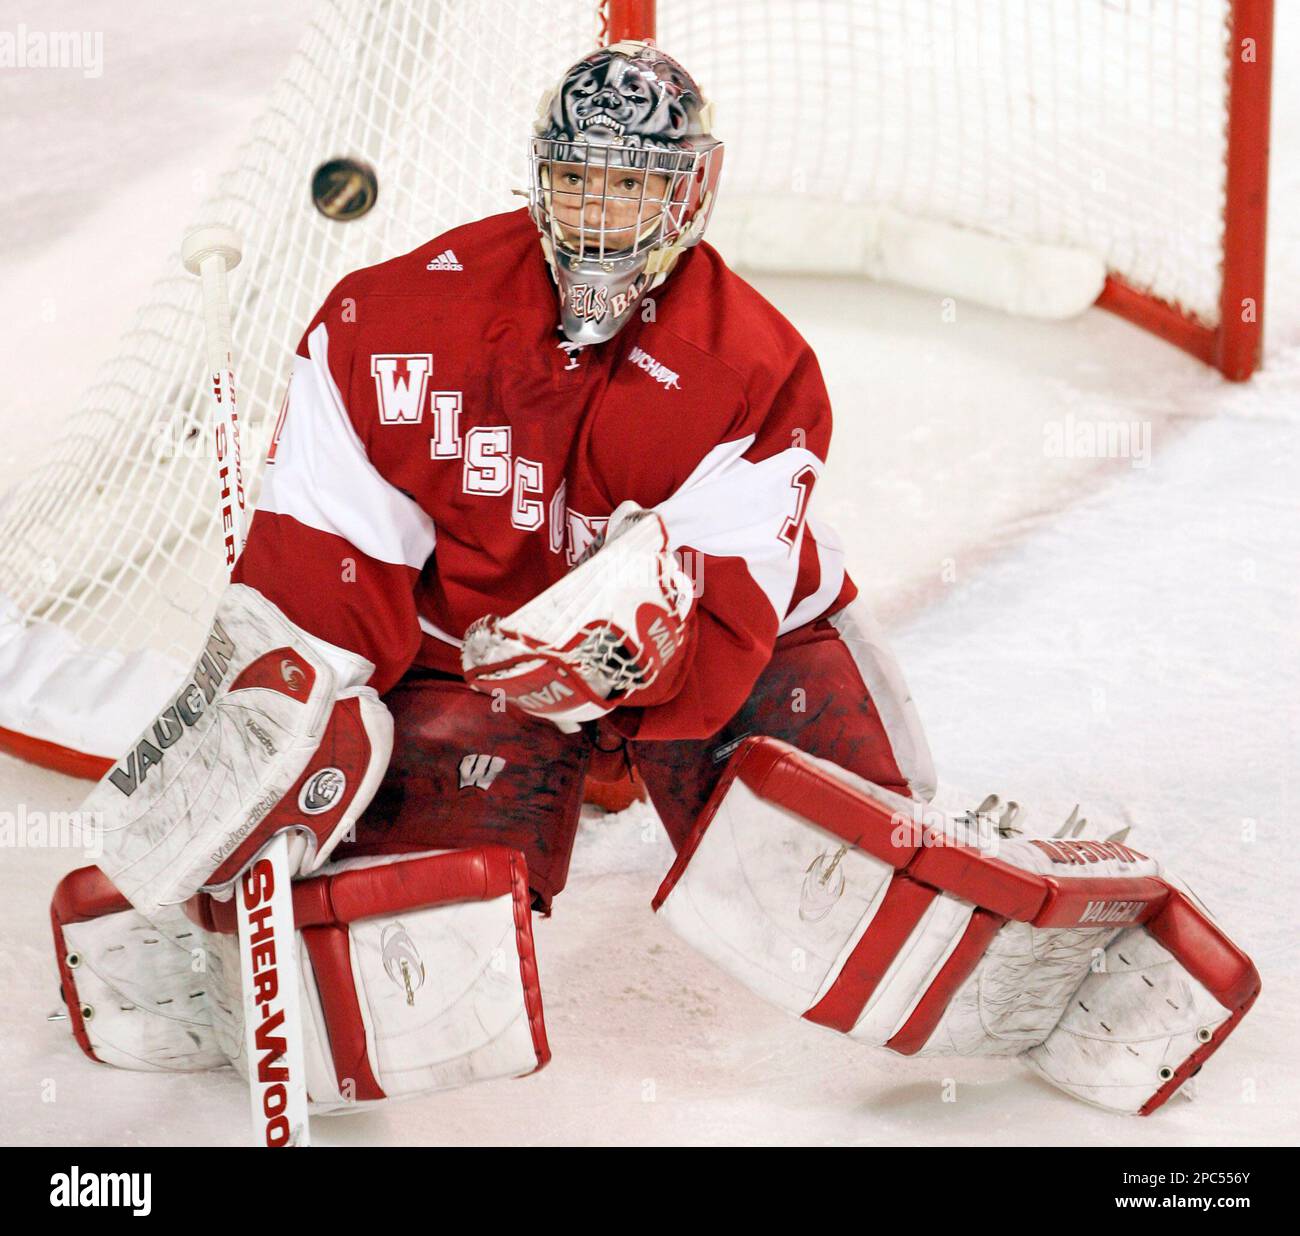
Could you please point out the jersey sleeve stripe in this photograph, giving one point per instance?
(730, 507)
(322, 477)
(830, 558)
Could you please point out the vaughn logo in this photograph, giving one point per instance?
(321, 791)
(547, 698)
(401, 959)
(295, 678)
(1112, 912)
(181, 715)
(122, 1190)
(479, 771)
(446, 260)
(661, 373)
(663, 640)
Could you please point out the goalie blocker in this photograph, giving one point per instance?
(891, 922)
(272, 732)
(418, 974)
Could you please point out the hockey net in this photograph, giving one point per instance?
(1038, 154)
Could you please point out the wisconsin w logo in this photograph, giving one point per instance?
(480, 771)
(401, 381)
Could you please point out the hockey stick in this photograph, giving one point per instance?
(268, 956)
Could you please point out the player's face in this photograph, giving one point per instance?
(625, 202)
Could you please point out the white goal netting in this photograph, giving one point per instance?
(1089, 132)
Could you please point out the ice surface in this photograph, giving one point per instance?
(1074, 629)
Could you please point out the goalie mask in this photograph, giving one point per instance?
(624, 174)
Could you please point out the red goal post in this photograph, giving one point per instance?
(1234, 345)
(1229, 340)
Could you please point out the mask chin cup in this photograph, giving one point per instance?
(597, 298)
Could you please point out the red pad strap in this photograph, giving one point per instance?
(1044, 901)
(331, 959)
(85, 894)
(915, 1032)
(477, 874)
(1008, 891)
(1204, 951)
(1214, 962)
(1096, 901)
(779, 773)
(528, 958)
(900, 910)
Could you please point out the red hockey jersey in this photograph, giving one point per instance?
(444, 453)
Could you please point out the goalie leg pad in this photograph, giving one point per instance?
(900, 926)
(418, 975)
(135, 990)
(791, 882)
(1173, 1005)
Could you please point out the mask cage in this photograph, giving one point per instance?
(661, 210)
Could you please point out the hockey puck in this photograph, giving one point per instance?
(344, 189)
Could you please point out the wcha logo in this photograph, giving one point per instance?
(666, 377)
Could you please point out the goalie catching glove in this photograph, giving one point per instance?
(615, 630)
(271, 733)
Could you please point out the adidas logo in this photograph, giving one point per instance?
(446, 260)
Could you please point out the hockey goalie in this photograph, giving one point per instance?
(533, 505)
